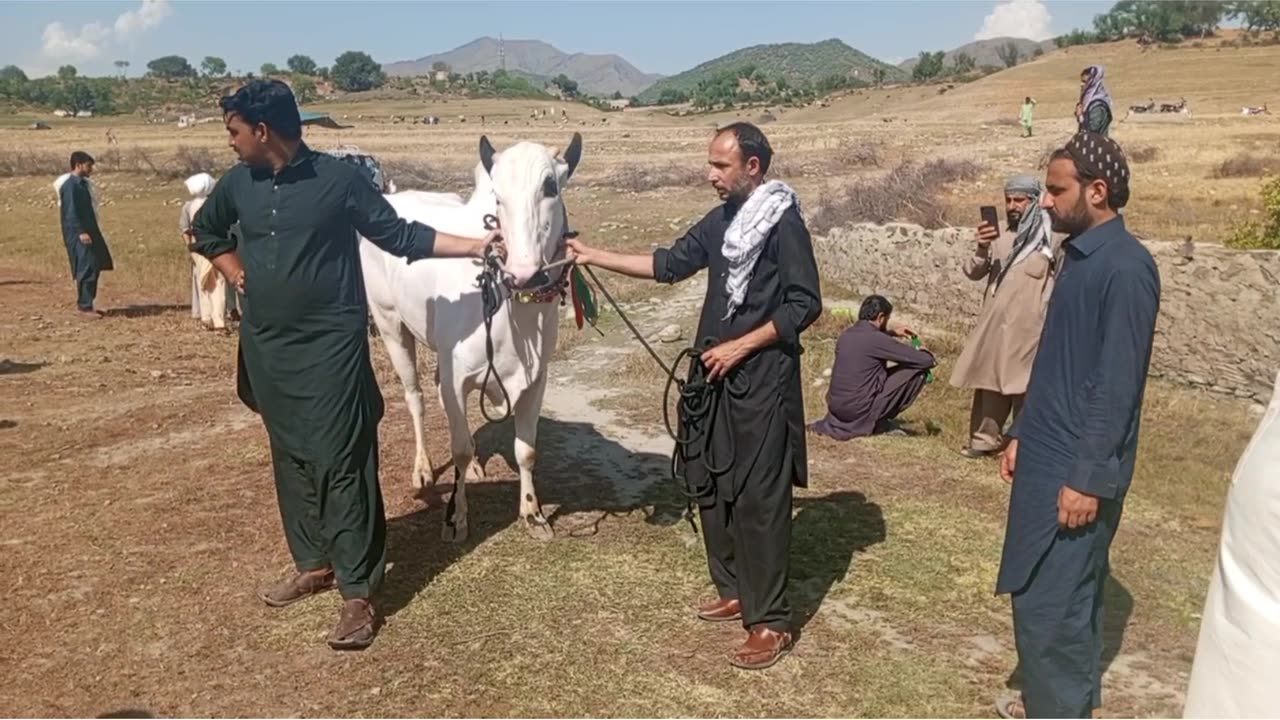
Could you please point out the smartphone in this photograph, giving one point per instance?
(989, 216)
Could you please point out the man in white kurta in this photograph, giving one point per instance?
(1236, 672)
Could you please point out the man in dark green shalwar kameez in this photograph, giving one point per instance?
(304, 355)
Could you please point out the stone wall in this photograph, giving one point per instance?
(1219, 323)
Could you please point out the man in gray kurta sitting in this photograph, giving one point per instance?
(1018, 265)
(865, 393)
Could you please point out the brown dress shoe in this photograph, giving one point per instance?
(763, 648)
(355, 629)
(720, 610)
(299, 587)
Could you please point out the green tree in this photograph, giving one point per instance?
(1009, 54)
(214, 66)
(269, 69)
(301, 65)
(67, 72)
(323, 73)
(617, 95)
(354, 71)
(1257, 15)
(929, 66)
(879, 74)
(171, 67)
(568, 86)
(964, 63)
(304, 88)
(13, 81)
(122, 66)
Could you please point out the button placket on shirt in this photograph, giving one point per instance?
(273, 245)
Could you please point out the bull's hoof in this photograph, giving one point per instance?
(454, 532)
(539, 528)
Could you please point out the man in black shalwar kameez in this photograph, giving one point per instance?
(87, 249)
(304, 353)
(756, 306)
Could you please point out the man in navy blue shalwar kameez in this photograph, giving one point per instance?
(1072, 457)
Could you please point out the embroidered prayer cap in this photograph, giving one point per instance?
(1101, 157)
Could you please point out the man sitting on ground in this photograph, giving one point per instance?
(865, 394)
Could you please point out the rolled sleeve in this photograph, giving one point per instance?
(375, 219)
(212, 223)
(685, 257)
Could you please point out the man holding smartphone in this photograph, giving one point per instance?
(1018, 264)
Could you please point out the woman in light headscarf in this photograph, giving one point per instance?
(208, 286)
(1094, 110)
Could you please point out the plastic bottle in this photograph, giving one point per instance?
(915, 343)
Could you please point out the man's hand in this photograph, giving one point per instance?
(494, 240)
(1009, 460)
(85, 239)
(1076, 509)
(579, 253)
(723, 358)
(905, 333)
(987, 234)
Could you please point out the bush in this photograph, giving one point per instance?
(637, 178)
(908, 193)
(1139, 154)
(1247, 164)
(417, 175)
(1264, 235)
(184, 163)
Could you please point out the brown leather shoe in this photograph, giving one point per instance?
(720, 610)
(356, 626)
(297, 588)
(763, 648)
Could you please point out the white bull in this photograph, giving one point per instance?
(438, 302)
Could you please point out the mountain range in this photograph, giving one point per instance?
(595, 74)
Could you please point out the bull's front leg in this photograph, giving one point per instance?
(528, 408)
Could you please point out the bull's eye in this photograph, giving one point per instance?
(549, 188)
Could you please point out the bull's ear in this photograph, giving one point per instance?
(486, 153)
(573, 153)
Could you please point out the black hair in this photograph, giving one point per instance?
(80, 157)
(1086, 176)
(873, 307)
(751, 142)
(266, 101)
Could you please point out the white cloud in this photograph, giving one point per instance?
(62, 44)
(91, 39)
(1017, 18)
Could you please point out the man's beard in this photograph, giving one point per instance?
(1015, 218)
(1073, 221)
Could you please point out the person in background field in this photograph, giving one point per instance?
(1026, 113)
(87, 249)
(1075, 443)
(1018, 265)
(1093, 113)
(208, 286)
(865, 393)
(762, 293)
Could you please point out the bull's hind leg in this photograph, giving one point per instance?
(463, 449)
(527, 410)
(402, 348)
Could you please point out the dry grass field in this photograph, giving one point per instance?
(139, 514)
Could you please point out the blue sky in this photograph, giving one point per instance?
(656, 36)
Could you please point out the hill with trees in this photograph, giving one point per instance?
(800, 67)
